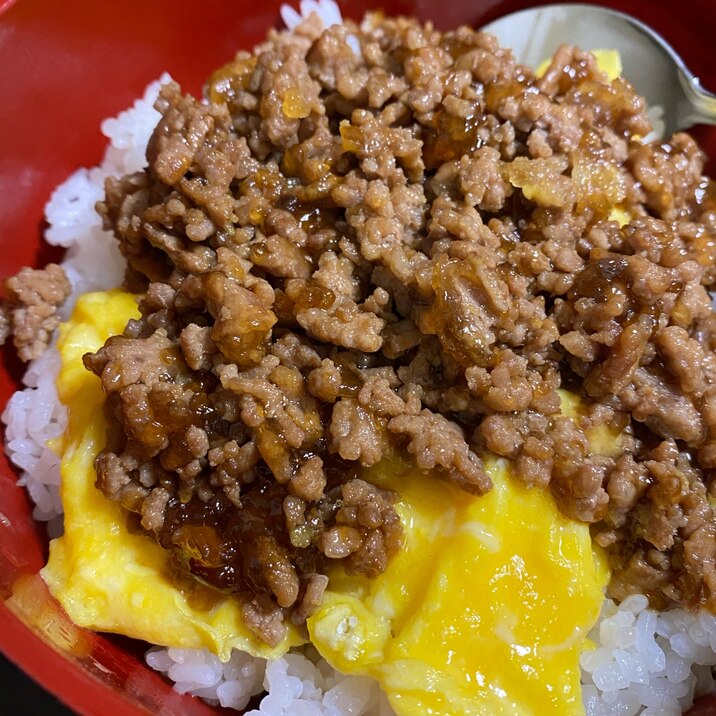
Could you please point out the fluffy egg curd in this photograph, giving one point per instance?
(106, 576)
(485, 610)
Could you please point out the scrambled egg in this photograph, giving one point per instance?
(608, 61)
(107, 577)
(485, 610)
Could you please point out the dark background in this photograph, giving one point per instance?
(21, 696)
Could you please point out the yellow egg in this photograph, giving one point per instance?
(107, 577)
(620, 215)
(485, 610)
(608, 61)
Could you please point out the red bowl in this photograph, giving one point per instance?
(63, 67)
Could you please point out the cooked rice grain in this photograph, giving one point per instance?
(647, 662)
(298, 684)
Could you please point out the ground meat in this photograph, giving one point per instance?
(403, 252)
(29, 310)
(265, 620)
(355, 433)
(434, 441)
(313, 595)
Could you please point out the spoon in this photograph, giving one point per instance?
(675, 98)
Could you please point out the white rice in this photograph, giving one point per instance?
(299, 684)
(327, 10)
(647, 662)
(34, 416)
(643, 662)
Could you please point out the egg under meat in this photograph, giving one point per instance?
(485, 610)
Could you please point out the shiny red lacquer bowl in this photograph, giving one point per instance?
(65, 65)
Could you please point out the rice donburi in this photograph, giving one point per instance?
(411, 318)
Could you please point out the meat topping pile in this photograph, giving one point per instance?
(404, 252)
(29, 311)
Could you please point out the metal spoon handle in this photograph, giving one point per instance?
(702, 104)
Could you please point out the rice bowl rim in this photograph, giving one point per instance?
(25, 649)
(84, 691)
